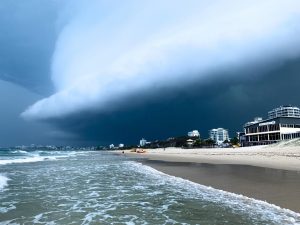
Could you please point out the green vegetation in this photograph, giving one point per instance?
(181, 142)
(234, 141)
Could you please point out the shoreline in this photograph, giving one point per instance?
(261, 172)
(285, 158)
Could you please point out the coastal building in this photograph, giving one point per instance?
(241, 137)
(121, 145)
(256, 120)
(283, 123)
(111, 146)
(190, 143)
(194, 133)
(284, 111)
(143, 142)
(219, 135)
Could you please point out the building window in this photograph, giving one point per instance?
(254, 138)
(289, 125)
(252, 130)
(274, 127)
(263, 137)
(263, 129)
(274, 136)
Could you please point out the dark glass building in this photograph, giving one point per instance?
(281, 125)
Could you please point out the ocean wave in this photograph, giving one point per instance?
(236, 202)
(19, 151)
(3, 181)
(110, 190)
(26, 160)
(20, 156)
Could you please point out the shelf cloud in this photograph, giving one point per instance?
(109, 51)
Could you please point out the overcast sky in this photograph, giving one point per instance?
(100, 72)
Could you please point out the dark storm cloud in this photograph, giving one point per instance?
(27, 37)
(13, 129)
(126, 70)
(227, 103)
(112, 50)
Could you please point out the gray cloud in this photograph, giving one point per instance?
(146, 69)
(14, 130)
(225, 103)
(28, 33)
(108, 53)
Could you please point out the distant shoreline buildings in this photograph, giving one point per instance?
(219, 135)
(283, 123)
(143, 142)
(194, 133)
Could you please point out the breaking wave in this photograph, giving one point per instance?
(3, 182)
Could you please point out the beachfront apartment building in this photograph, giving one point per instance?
(194, 133)
(143, 142)
(283, 123)
(219, 135)
(284, 111)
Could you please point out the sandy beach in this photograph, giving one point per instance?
(287, 158)
(268, 173)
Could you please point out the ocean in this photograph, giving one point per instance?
(77, 187)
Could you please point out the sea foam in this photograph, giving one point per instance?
(3, 182)
(35, 156)
(26, 160)
(236, 202)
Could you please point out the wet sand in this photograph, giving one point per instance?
(279, 187)
(270, 174)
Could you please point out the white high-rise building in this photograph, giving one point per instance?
(143, 142)
(194, 133)
(284, 111)
(219, 135)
